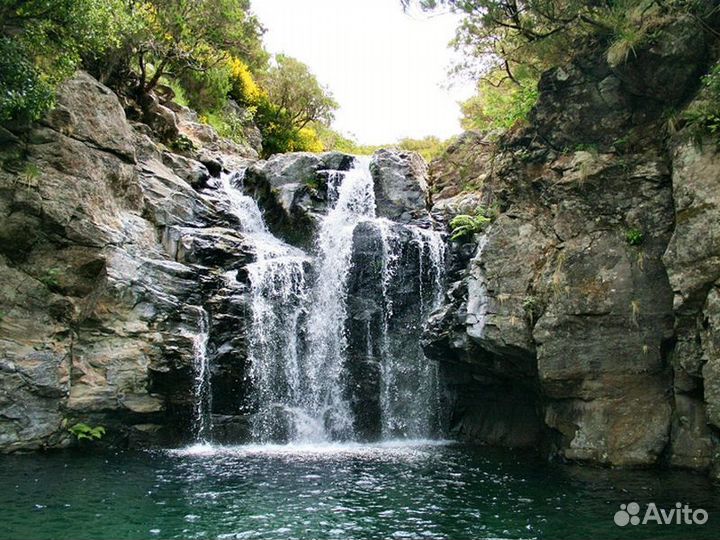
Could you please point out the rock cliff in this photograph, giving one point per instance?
(584, 318)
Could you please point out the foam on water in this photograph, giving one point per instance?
(396, 447)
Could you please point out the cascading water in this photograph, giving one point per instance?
(325, 400)
(202, 419)
(409, 396)
(298, 346)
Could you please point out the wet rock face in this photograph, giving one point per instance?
(295, 189)
(388, 302)
(566, 300)
(115, 253)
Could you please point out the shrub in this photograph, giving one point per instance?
(206, 90)
(182, 144)
(499, 104)
(42, 43)
(465, 225)
(50, 279)
(243, 87)
(83, 431)
(634, 237)
(704, 115)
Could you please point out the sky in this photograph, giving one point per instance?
(386, 69)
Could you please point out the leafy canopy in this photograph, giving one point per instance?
(507, 44)
(42, 42)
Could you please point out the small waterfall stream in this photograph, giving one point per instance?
(202, 418)
(298, 345)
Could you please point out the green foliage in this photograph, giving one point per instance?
(290, 107)
(24, 95)
(206, 90)
(50, 278)
(428, 147)
(634, 237)
(704, 115)
(30, 173)
(296, 93)
(85, 432)
(42, 42)
(228, 124)
(182, 144)
(532, 307)
(507, 44)
(465, 225)
(190, 37)
(500, 104)
(635, 24)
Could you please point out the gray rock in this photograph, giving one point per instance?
(401, 192)
(294, 190)
(99, 316)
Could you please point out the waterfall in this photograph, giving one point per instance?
(409, 396)
(202, 419)
(298, 345)
(478, 302)
(325, 400)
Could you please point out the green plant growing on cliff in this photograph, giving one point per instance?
(50, 278)
(30, 173)
(83, 431)
(500, 103)
(465, 225)
(531, 306)
(704, 115)
(634, 237)
(182, 143)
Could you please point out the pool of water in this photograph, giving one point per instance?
(389, 490)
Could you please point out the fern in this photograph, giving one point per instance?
(83, 431)
(467, 225)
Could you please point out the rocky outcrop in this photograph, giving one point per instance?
(124, 262)
(295, 189)
(400, 180)
(692, 260)
(561, 329)
(107, 254)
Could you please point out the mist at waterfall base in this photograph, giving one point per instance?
(309, 368)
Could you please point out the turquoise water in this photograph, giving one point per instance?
(378, 491)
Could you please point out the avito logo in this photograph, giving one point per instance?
(681, 514)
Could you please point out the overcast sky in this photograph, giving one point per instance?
(387, 69)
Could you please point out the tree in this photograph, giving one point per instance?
(297, 94)
(507, 44)
(292, 107)
(506, 34)
(178, 36)
(42, 42)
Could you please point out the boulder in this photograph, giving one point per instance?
(400, 180)
(295, 190)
